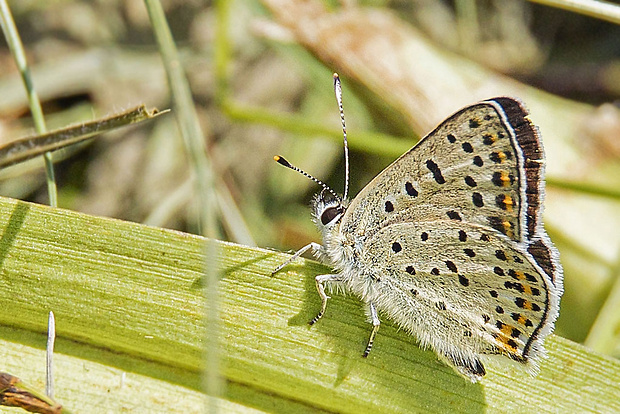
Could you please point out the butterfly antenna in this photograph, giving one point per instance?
(282, 161)
(338, 92)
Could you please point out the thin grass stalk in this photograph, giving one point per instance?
(191, 132)
(15, 45)
(585, 188)
(222, 51)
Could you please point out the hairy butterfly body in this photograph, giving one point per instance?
(448, 240)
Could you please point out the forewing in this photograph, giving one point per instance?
(484, 165)
(464, 170)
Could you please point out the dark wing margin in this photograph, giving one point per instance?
(528, 138)
(530, 144)
(546, 257)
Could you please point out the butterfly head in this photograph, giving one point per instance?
(327, 210)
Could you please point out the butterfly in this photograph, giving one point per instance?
(448, 240)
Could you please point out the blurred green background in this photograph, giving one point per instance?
(260, 74)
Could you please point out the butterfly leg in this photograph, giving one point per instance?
(315, 248)
(320, 287)
(374, 318)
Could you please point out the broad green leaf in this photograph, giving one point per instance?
(129, 298)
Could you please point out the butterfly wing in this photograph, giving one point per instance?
(462, 289)
(452, 231)
(484, 165)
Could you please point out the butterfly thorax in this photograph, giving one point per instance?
(339, 250)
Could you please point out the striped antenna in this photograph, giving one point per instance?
(338, 92)
(280, 160)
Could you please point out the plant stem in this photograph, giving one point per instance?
(17, 49)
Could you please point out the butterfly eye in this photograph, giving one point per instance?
(329, 214)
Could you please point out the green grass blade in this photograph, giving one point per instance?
(374, 143)
(130, 297)
(585, 188)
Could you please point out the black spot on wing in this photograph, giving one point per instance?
(514, 285)
(470, 181)
(488, 139)
(503, 179)
(462, 236)
(469, 252)
(454, 215)
(499, 156)
(504, 201)
(499, 224)
(434, 168)
(410, 190)
(477, 199)
(450, 264)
